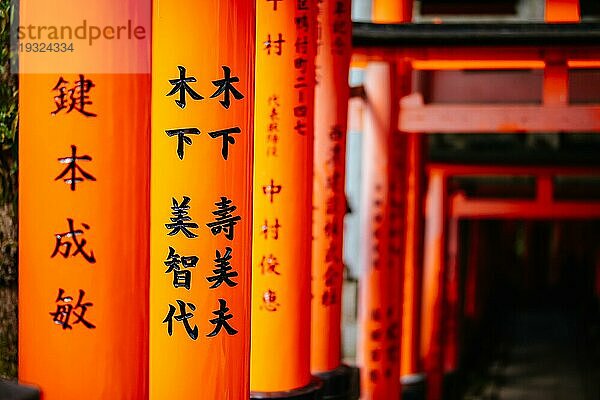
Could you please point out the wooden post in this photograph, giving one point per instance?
(84, 129)
(379, 312)
(392, 11)
(562, 11)
(201, 191)
(451, 312)
(283, 181)
(433, 278)
(411, 371)
(329, 200)
(473, 306)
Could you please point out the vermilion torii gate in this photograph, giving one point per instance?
(444, 209)
(553, 48)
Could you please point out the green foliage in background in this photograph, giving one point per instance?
(8, 110)
(8, 200)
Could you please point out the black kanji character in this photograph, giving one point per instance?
(79, 98)
(335, 133)
(329, 297)
(340, 27)
(181, 85)
(70, 239)
(64, 308)
(373, 375)
(274, 115)
(182, 317)
(225, 86)
(271, 190)
(269, 299)
(275, 2)
(224, 221)
(222, 272)
(72, 169)
(269, 264)
(174, 262)
(302, 5)
(182, 139)
(221, 320)
(274, 229)
(273, 126)
(180, 219)
(272, 140)
(61, 99)
(277, 44)
(331, 276)
(227, 139)
(302, 23)
(302, 45)
(274, 100)
(392, 332)
(300, 127)
(332, 255)
(300, 111)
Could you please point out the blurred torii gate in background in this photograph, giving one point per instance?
(555, 48)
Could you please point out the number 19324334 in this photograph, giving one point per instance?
(46, 47)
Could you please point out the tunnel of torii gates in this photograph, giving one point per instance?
(200, 287)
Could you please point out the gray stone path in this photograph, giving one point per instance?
(544, 361)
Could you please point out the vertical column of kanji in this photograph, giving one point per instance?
(407, 200)
(83, 235)
(399, 167)
(201, 199)
(329, 200)
(379, 302)
(286, 38)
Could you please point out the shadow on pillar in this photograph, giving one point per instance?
(312, 391)
(343, 383)
(414, 387)
(14, 391)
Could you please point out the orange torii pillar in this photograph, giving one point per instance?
(283, 181)
(329, 200)
(397, 182)
(473, 298)
(411, 371)
(451, 312)
(433, 282)
(83, 176)
(379, 302)
(201, 191)
(407, 190)
(562, 11)
(391, 11)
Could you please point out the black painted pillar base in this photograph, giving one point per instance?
(342, 383)
(414, 387)
(451, 385)
(14, 391)
(312, 391)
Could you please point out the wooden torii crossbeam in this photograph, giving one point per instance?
(545, 205)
